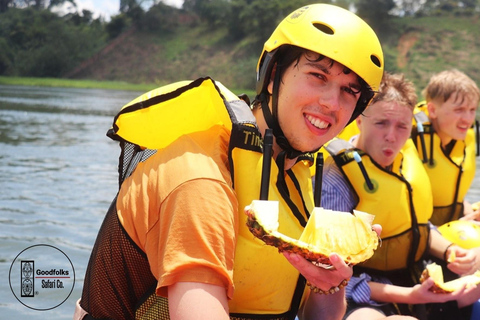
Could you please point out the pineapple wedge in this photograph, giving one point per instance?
(349, 235)
(435, 272)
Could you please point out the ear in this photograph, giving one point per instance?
(432, 110)
(270, 82)
(359, 122)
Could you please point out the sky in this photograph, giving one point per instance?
(108, 8)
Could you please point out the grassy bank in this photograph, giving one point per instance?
(69, 83)
(89, 84)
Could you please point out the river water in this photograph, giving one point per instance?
(58, 176)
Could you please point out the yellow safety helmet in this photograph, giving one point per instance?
(463, 233)
(330, 31)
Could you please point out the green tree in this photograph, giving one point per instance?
(376, 13)
(117, 25)
(127, 5)
(4, 4)
(160, 18)
(6, 56)
(42, 44)
(258, 18)
(439, 7)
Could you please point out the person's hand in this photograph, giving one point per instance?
(466, 295)
(378, 229)
(467, 261)
(470, 296)
(471, 212)
(320, 277)
(421, 293)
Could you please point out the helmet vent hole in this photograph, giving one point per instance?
(376, 61)
(324, 28)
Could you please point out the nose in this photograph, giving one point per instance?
(330, 98)
(390, 134)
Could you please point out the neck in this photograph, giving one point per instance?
(262, 126)
(444, 140)
(289, 163)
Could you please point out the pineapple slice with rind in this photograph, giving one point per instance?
(349, 235)
(435, 272)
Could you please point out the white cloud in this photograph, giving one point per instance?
(105, 8)
(174, 3)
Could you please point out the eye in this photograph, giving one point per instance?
(318, 75)
(351, 90)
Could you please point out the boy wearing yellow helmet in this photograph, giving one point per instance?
(174, 244)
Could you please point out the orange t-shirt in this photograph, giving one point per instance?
(179, 207)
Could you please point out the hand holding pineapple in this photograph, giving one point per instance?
(331, 243)
(471, 212)
(319, 277)
(463, 261)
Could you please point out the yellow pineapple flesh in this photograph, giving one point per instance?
(435, 272)
(349, 235)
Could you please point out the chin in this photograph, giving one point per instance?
(304, 147)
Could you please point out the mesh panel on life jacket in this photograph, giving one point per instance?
(442, 215)
(118, 280)
(130, 156)
(154, 307)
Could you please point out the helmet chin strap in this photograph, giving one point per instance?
(272, 122)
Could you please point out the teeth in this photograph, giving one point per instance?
(317, 122)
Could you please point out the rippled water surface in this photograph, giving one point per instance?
(58, 176)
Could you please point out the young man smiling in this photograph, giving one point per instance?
(174, 244)
(447, 116)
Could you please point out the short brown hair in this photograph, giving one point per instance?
(443, 84)
(394, 87)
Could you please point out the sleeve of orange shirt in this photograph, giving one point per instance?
(196, 236)
(180, 209)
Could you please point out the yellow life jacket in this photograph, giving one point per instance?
(347, 132)
(259, 291)
(400, 200)
(450, 175)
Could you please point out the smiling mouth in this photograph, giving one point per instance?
(317, 122)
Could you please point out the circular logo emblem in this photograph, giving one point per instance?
(42, 277)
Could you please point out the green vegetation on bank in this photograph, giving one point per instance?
(70, 83)
(141, 50)
(91, 84)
